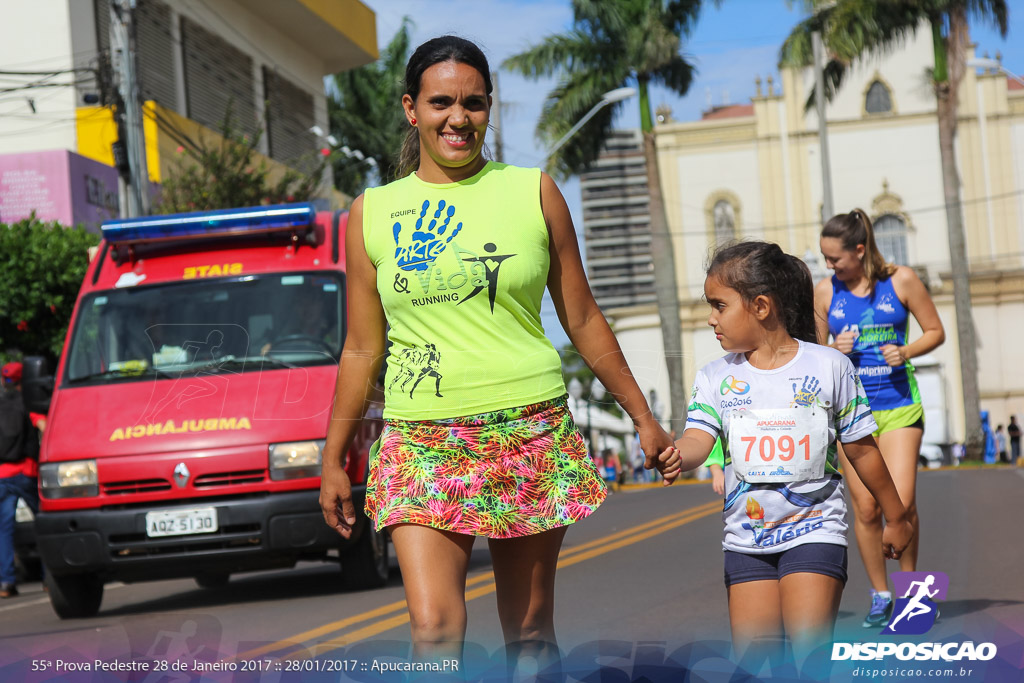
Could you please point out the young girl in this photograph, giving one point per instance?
(780, 402)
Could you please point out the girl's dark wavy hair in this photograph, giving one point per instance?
(435, 51)
(761, 268)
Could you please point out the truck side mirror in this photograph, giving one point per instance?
(36, 384)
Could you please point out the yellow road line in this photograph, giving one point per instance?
(568, 557)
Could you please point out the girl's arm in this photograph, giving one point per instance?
(688, 453)
(865, 457)
(914, 295)
(584, 323)
(357, 374)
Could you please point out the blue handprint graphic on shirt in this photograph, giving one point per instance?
(807, 394)
(425, 244)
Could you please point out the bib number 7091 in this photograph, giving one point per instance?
(785, 447)
(770, 445)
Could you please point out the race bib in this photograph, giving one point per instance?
(771, 445)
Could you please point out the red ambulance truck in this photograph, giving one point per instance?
(191, 403)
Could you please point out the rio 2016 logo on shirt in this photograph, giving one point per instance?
(736, 386)
(914, 613)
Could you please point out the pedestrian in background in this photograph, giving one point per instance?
(19, 469)
(1013, 431)
(450, 263)
(1001, 445)
(866, 306)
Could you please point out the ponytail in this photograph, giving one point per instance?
(853, 229)
(756, 269)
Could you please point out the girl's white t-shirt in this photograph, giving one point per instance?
(770, 518)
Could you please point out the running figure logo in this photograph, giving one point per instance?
(914, 613)
(417, 365)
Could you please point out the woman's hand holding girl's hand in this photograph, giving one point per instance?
(896, 537)
(667, 462)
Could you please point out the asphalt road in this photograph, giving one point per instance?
(639, 582)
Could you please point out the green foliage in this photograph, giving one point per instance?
(231, 173)
(365, 111)
(856, 29)
(45, 264)
(612, 43)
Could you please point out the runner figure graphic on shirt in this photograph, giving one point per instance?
(417, 365)
(491, 263)
(916, 607)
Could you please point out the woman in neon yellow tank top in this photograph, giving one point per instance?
(453, 259)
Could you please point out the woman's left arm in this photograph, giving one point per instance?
(916, 299)
(584, 323)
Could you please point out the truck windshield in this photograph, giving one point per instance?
(208, 326)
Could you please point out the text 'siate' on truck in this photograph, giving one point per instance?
(190, 406)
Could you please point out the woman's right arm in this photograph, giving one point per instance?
(822, 301)
(357, 374)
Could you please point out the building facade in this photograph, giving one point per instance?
(753, 171)
(262, 61)
(616, 224)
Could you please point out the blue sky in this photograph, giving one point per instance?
(730, 46)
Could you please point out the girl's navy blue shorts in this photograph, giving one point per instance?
(817, 558)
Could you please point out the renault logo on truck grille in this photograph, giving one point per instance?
(181, 475)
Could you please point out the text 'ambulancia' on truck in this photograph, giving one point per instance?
(191, 403)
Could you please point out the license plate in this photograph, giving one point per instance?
(181, 522)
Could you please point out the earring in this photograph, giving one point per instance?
(413, 122)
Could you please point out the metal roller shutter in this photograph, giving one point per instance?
(217, 76)
(289, 118)
(154, 59)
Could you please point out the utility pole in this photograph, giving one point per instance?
(122, 48)
(499, 147)
(819, 99)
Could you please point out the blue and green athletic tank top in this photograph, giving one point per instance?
(461, 269)
(879, 319)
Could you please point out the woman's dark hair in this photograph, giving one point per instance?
(762, 269)
(435, 51)
(855, 228)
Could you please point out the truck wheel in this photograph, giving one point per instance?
(213, 580)
(76, 596)
(364, 564)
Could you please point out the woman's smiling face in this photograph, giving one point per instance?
(451, 112)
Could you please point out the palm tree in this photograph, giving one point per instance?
(363, 108)
(856, 29)
(614, 43)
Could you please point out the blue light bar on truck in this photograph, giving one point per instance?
(219, 223)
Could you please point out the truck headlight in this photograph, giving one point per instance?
(296, 459)
(74, 479)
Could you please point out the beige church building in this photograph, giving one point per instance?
(754, 171)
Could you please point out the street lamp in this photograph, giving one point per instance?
(610, 97)
(986, 63)
(597, 392)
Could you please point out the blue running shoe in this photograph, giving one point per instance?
(881, 610)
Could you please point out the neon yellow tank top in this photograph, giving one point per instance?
(461, 269)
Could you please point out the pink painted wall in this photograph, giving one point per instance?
(59, 186)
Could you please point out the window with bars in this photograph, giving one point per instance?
(891, 238)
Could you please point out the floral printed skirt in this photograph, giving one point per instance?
(501, 474)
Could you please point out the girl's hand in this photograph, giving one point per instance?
(718, 481)
(336, 500)
(895, 539)
(893, 356)
(845, 340)
(667, 463)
